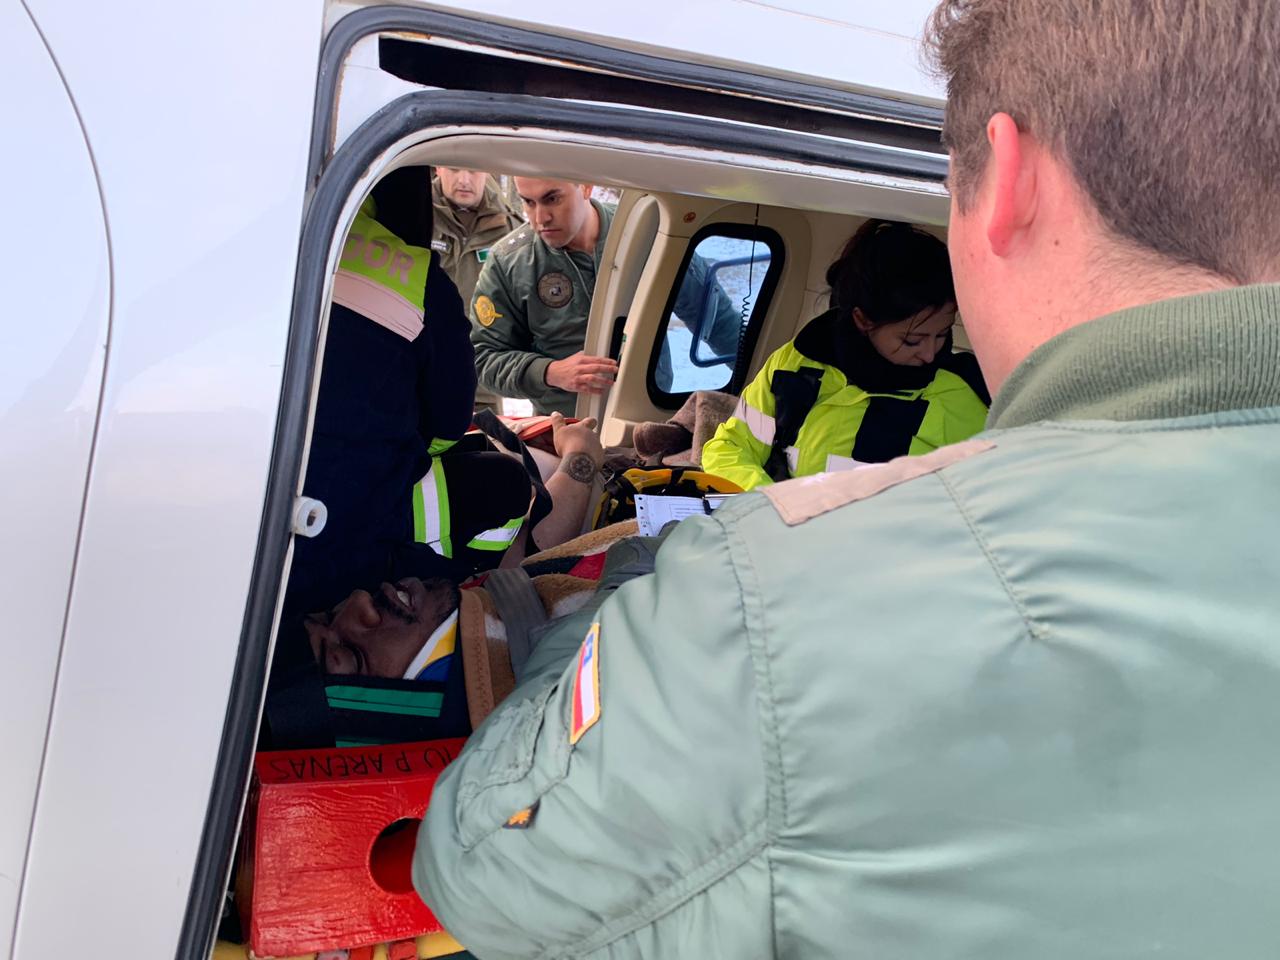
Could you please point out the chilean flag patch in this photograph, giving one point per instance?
(586, 686)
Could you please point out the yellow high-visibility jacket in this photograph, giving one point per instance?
(844, 421)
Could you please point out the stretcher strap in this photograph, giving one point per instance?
(486, 664)
(520, 610)
(794, 392)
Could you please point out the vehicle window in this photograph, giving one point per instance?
(723, 288)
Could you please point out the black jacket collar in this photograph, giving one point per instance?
(829, 340)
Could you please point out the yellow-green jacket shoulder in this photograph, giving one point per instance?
(847, 423)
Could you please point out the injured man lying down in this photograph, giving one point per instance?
(426, 630)
(420, 659)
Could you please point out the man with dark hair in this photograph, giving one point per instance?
(531, 302)
(533, 299)
(1034, 715)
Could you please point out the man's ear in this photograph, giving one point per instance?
(860, 320)
(1011, 184)
(586, 189)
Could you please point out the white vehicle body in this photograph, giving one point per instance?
(155, 371)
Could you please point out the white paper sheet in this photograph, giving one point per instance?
(654, 513)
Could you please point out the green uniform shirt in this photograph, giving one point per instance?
(1022, 705)
(530, 307)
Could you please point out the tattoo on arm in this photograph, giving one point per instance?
(579, 466)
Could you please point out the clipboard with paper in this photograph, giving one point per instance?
(655, 512)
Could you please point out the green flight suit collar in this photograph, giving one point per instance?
(1174, 358)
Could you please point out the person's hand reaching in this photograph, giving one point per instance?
(576, 438)
(582, 373)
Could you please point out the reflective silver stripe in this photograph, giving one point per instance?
(380, 304)
(793, 459)
(760, 424)
(499, 538)
(434, 533)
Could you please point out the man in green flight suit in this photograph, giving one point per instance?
(1015, 698)
(533, 299)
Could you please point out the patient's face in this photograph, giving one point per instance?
(378, 634)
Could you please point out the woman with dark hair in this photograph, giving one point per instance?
(871, 379)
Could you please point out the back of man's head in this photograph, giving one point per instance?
(1167, 113)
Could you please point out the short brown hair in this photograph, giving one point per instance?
(1167, 112)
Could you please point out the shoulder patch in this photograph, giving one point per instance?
(522, 819)
(807, 497)
(586, 686)
(486, 312)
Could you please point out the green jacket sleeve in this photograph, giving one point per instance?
(742, 443)
(621, 837)
(505, 364)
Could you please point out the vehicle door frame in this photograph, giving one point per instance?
(364, 155)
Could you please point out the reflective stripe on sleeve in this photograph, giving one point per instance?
(381, 305)
(760, 424)
(431, 511)
(499, 538)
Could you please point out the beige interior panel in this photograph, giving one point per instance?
(670, 194)
(626, 254)
(683, 171)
